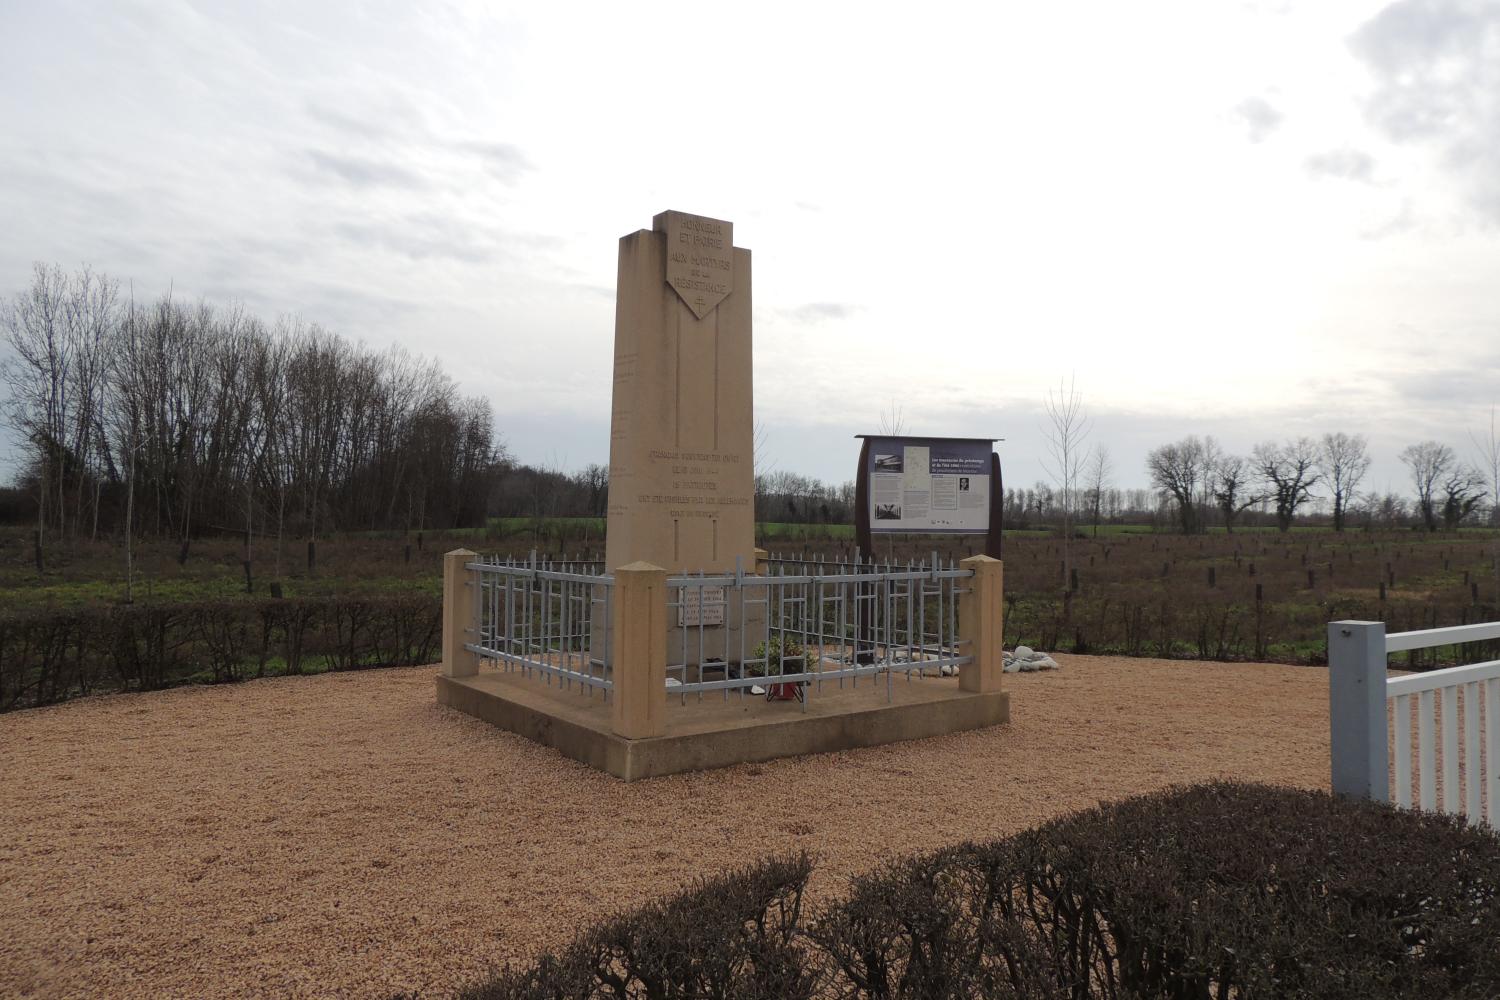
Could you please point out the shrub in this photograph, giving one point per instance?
(50, 656)
(1218, 890)
(781, 655)
(410, 630)
(46, 657)
(727, 937)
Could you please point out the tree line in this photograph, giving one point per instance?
(1200, 480)
(529, 491)
(173, 419)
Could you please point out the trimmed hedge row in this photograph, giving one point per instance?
(1218, 890)
(50, 656)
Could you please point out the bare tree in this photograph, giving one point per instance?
(760, 452)
(1343, 463)
(1204, 500)
(126, 427)
(1487, 449)
(1287, 473)
(893, 421)
(39, 378)
(93, 316)
(1179, 469)
(1429, 462)
(1230, 480)
(1463, 489)
(1387, 510)
(1067, 428)
(188, 417)
(1099, 473)
(595, 478)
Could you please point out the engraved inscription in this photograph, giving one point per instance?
(701, 606)
(624, 392)
(693, 480)
(700, 260)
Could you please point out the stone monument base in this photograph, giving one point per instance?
(715, 733)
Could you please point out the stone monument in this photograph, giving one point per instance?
(681, 470)
(681, 502)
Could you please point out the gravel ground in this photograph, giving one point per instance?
(343, 836)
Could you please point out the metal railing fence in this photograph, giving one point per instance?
(804, 623)
(546, 618)
(812, 623)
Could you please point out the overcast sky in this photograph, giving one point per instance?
(1251, 220)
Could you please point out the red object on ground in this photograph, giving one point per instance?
(788, 691)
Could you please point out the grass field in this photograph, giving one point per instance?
(1247, 595)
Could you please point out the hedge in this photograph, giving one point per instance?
(1213, 891)
(50, 656)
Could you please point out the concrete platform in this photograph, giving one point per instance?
(715, 733)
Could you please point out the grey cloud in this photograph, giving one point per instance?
(346, 123)
(355, 311)
(1259, 117)
(598, 291)
(818, 312)
(1404, 221)
(1449, 389)
(1344, 164)
(1436, 70)
(1425, 57)
(420, 238)
(505, 161)
(361, 172)
(434, 236)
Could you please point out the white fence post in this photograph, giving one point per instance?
(1356, 710)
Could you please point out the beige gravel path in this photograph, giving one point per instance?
(343, 836)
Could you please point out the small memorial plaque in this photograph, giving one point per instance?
(700, 260)
(701, 606)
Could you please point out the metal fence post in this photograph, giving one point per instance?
(1356, 710)
(981, 620)
(458, 614)
(639, 672)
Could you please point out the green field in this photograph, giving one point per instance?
(1246, 595)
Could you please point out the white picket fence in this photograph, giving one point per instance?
(1457, 721)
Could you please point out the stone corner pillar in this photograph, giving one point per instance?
(762, 562)
(981, 625)
(639, 671)
(458, 614)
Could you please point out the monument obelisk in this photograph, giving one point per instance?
(681, 469)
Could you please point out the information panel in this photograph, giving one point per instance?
(928, 485)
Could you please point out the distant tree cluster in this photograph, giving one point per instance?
(529, 491)
(1099, 503)
(173, 419)
(1199, 479)
(786, 496)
